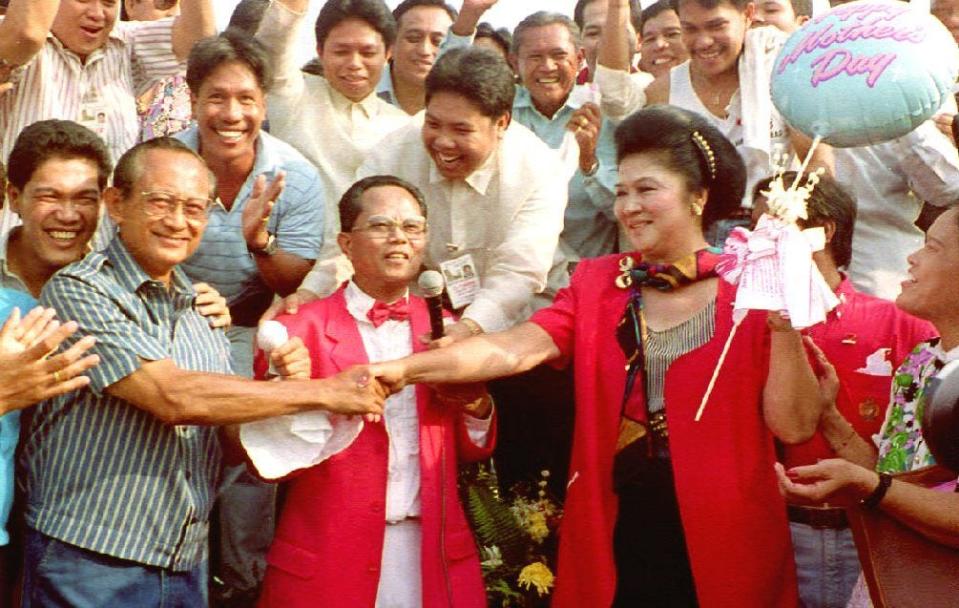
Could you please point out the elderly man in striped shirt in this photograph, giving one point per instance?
(73, 61)
(120, 475)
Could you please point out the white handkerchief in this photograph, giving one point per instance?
(278, 446)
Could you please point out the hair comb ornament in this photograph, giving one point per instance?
(789, 204)
(707, 152)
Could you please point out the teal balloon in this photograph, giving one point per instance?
(865, 72)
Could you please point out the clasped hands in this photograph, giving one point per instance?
(363, 389)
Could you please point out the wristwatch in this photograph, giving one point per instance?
(269, 249)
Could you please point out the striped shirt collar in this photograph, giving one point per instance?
(113, 36)
(132, 277)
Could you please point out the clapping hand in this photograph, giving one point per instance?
(27, 373)
(585, 123)
(826, 374)
(256, 213)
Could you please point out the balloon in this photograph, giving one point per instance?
(864, 73)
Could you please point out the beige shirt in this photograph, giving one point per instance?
(507, 214)
(332, 132)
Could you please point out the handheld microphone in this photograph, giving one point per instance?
(431, 284)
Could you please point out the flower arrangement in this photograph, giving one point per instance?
(517, 537)
(789, 204)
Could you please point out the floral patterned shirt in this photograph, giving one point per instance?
(901, 446)
(166, 110)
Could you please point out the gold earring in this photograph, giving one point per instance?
(697, 209)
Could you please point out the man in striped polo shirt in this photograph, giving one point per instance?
(120, 475)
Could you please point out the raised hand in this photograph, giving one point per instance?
(256, 214)
(585, 123)
(212, 305)
(470, 14)
(27, 374)
(826, 374)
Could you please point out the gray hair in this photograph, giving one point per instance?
(543, 19)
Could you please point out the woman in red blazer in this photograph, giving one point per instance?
(687, 514)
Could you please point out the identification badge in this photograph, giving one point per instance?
(93, 113)
(462, 282)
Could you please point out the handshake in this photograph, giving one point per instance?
(363, 389)
(375, 382)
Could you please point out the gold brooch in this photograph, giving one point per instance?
(624, 280)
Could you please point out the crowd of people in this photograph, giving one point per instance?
(220, 384)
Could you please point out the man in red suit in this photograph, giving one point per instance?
(372, 515)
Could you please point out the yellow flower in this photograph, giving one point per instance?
(536, 575)
(536, 526)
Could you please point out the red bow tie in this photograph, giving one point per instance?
(398, 311)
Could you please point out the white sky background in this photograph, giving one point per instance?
(506, 13)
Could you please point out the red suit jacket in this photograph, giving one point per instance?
(730, 507)
(329, 539)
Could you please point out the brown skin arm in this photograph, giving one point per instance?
(838, 432)
(195, 21)
(474, 359)
(658, 91)
(615, 47)
(931, 513)
(469, 16)
(178, 396)
(283, 271)
(791, 400)
(24, 29)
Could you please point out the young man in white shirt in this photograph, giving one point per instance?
(336, 119)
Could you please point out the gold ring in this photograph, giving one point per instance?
(56, 377)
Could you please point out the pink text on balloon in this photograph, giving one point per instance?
(859, 22)
(839, 61)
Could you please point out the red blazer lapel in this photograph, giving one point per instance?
(346, 346)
